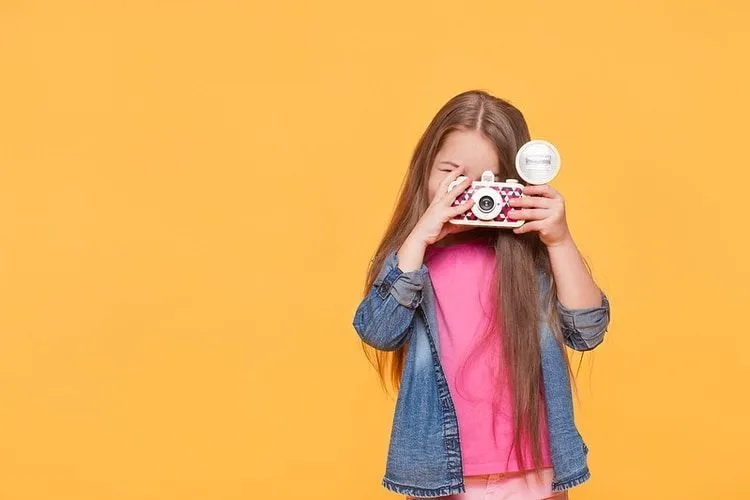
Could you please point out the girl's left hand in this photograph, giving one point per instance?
(543, 209)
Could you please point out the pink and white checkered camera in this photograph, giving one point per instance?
(537, 162)
(490, 201)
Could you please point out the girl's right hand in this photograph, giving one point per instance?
(434, 225)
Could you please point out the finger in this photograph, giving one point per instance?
(443, 186)
(529, 213)
(528, 227)
(448, 228)
(544, 190)
(450, 196)
(460, 208)
(530, 202)
(451, 228)
(460, 228)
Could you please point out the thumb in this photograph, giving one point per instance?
(450, 228)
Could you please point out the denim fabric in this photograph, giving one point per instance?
(424, 455)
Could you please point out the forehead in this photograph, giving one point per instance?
(471, 149)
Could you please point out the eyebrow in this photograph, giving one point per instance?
(451, 163)
(457, 165)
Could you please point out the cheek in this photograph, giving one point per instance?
(433, 183)
(432, 187)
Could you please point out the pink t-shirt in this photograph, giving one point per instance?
(462, 275)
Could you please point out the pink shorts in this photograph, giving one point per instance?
(522, 485)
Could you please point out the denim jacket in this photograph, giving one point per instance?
(424, 455)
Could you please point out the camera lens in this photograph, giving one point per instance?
(486, 203)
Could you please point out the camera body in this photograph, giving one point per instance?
(490, 201)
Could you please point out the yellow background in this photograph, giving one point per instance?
(190, 192)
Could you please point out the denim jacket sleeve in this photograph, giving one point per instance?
(383, 318)
(584, 328)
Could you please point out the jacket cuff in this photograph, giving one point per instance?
(586, 319)
(406, 287)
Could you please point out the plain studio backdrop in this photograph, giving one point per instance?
(190, 192)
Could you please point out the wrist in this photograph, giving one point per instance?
(565, 242)
(411, 253)
(415, 240)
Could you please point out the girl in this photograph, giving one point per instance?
(469, 323)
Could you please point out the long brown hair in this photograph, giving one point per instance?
(518, 258)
